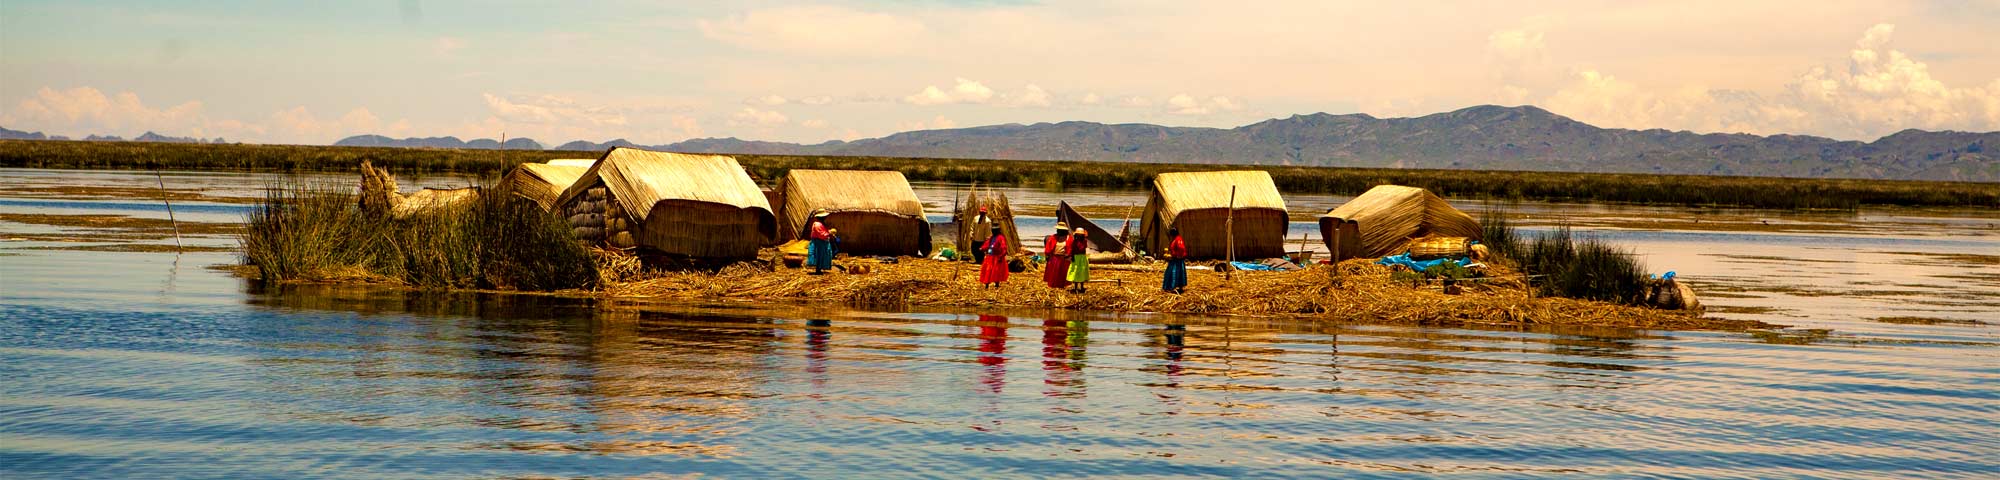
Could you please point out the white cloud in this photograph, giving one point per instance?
(813, 123)
(82, 111)
(752, 117)
(1879, 91)
(767, 100)
(937, 123)
(1030, 96)
(816, 100)
(1184, 104)
(553, 110)
(966, 91)
(816, 30)
(1136, 101)
(1090, 99)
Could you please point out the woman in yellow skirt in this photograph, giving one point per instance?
(1079, 260)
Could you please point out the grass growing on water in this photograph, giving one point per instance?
(1761, 192)
(1586, 268)
(315, 232)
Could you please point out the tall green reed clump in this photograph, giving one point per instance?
(1586, 268)
(1498, 234)
(314, 232)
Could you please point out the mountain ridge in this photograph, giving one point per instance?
(1484, 137)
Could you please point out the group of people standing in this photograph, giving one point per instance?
(1067, 259)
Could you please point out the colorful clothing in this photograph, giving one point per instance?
(819, 252)
(1079, 259)
(1056, 273)
(1176, 276)
(993, 269)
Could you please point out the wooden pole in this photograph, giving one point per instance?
(164, 198)
(1229, 231)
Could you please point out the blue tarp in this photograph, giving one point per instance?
(1252, 266)
(1419, 265)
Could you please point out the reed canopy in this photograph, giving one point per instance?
(1199, 203)
(698, 206)
(970, 234)
(543, 182)
(1385, 219)
(876, 211)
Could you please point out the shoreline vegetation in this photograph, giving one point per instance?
(1687, 190)
(316, 234)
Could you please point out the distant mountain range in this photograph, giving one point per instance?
(6, 134)
(1482, 138)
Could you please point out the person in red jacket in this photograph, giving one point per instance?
(993, 267)
(1056, 250)
(1176, 255)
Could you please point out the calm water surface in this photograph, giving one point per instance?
(123, 365)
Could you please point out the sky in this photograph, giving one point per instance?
(660, 72)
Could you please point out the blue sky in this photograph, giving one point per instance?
(657, 72)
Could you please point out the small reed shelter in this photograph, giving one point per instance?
(1201, 205)
(696, 206)
(1386, 219)
(543, 182)
(876, 212)
(998, 212)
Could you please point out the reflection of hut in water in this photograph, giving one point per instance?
(543, 182)
(1385, 219)
(876, 212)
(700, 206)
(684, 376)
(1199, 203)
(971, 234)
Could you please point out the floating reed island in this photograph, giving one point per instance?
(639, 224)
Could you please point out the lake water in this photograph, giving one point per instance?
(123, 364)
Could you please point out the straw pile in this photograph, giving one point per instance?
(699, 206)
(1383, 220)
(1363, 293)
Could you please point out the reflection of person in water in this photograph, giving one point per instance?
(993, 351)
(818, 333)
(1063, 343)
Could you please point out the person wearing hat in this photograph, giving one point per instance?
(1175, 280)
(993, 268)
(1079, 260)
(819, 252)
(980, 226)
(1056, 250)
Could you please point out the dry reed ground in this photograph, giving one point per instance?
(1363, 293)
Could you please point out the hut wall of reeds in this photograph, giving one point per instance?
(876, 212)
(1383, 221)
(998, 212)
(543, 182)
(699, 206)
(1199, 204)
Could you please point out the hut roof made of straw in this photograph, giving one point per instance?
(543, 182)
(639, 179)
(1183, 191)
(880, 191)
(573, 162)
(1391, 215)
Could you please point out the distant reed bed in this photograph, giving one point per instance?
(1689, 190)
(307, 232)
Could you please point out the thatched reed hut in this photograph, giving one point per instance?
(1199, 204)
(543, 182)
(698, 206)
(969, 234)
(876, 211)
(1386, 218)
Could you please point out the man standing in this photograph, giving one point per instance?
(980, 225)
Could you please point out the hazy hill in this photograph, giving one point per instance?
(1484, 137)
(438, 142)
